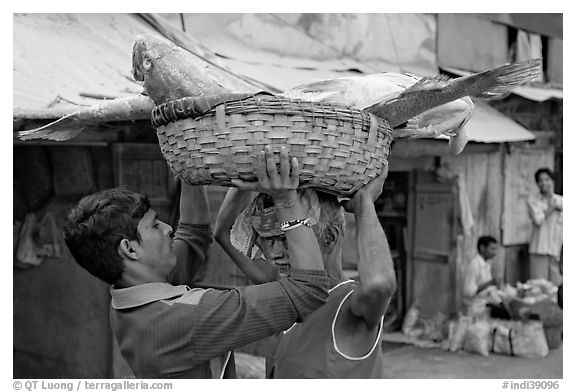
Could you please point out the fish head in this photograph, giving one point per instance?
(141, 60)
(150, 53)
(169, 72)
(154, 59)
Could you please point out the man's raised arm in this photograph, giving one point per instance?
(375, 265)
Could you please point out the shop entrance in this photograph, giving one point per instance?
(392, 210)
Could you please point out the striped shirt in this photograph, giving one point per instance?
(546, 231)
(167, 331)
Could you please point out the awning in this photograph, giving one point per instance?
(538, 94)
(286, 50)
(63, 60)
(532, 93)
(283, 73)
(488, 125)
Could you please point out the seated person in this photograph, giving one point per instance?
(480, 288)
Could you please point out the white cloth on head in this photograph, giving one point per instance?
(264, 221)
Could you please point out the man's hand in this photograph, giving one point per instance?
(556, 204)
(281, 185)
(498, 280)
(371, 190)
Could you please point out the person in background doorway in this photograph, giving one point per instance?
(545, 210)
(480, 287)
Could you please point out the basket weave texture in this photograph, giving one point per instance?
(338, 149)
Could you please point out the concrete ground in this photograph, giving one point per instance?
(405, 361)
(411, 362)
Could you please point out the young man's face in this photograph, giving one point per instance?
(155, 247)
(490, 251)
(275, 250)
(545, 183)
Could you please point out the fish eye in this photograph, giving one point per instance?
(146, 63)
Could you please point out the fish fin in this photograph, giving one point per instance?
(457, 142)
(417, 132)
(427, 83)
(509, 76)
(52, 131)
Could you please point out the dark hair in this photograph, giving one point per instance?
(485, 240)
(543, 170)
(94, 229)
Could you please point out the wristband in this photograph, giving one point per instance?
(290, 225)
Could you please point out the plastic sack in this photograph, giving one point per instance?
(434, 328)
(410, 320)
(502, 334)
(456, 332)
(517, 338)
(477, 338)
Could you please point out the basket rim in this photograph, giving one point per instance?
(200, 107)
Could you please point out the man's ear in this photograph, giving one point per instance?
(330, 237)
(126, 250)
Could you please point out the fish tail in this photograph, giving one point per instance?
(432, 92)
(57, 135)
(51, 131)
(501, 80)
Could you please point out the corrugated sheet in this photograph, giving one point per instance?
(286, 50)
(58, 58)
(62, 55)
(470, 43)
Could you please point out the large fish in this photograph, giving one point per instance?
(420, 107)
(169, 72)
(361, 92)
(415, 107)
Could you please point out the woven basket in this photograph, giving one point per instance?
(338, 149)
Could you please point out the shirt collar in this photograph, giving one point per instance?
(143, 294)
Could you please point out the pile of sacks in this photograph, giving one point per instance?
(507, 337)
(527, 337)
(536, 290)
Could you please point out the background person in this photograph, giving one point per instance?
(480, 287)
(545, 211)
